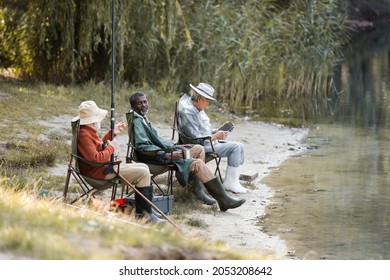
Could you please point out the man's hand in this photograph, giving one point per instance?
(119, 127)
(220, 135)
(174, 155)
(113, 143)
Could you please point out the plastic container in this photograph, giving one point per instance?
(164, 202)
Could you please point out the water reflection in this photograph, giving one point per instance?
(335, 201)
(362, 88)
(359, 91)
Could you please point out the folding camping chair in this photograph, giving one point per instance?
(89, 186)
(184, 139)
(138, 156)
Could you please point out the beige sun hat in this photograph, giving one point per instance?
(89, 112)
(205, 90)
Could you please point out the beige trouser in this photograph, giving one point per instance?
(198, 166)
(135, 173)
(197, 151)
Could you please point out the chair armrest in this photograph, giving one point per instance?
(196, 140)
(156, 156)
(95, 163)
(156, 152)
(203, 138)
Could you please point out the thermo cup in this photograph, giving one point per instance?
(186, 153)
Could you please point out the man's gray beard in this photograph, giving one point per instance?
(145, 113)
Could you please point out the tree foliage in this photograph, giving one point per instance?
(245, 49)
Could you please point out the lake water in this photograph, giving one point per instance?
(333, 201)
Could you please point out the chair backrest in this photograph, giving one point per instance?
(130, 145)
(175, 122)
(75, 139)
(182, 138)
(132, 154)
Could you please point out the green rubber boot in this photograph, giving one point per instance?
(142, 208)
(225, 202)
(198, 189)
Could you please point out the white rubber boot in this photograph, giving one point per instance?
(232, 182)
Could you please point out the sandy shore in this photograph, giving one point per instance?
(267, 146)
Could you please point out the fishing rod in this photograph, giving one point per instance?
(113, 74)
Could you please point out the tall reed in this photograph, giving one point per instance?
(259, 49)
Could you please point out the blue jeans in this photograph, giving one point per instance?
(234, 151)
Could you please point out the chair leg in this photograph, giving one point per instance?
(217, 170)
(67, 181)
(113, 192)
(170, 182)
(81, 196)
(123, 190)
(157, 185)
(84, 187)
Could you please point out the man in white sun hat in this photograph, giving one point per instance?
(93, 148)
(195, 123)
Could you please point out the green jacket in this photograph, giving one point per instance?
(146, 139)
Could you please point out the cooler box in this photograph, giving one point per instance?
(164, 202)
